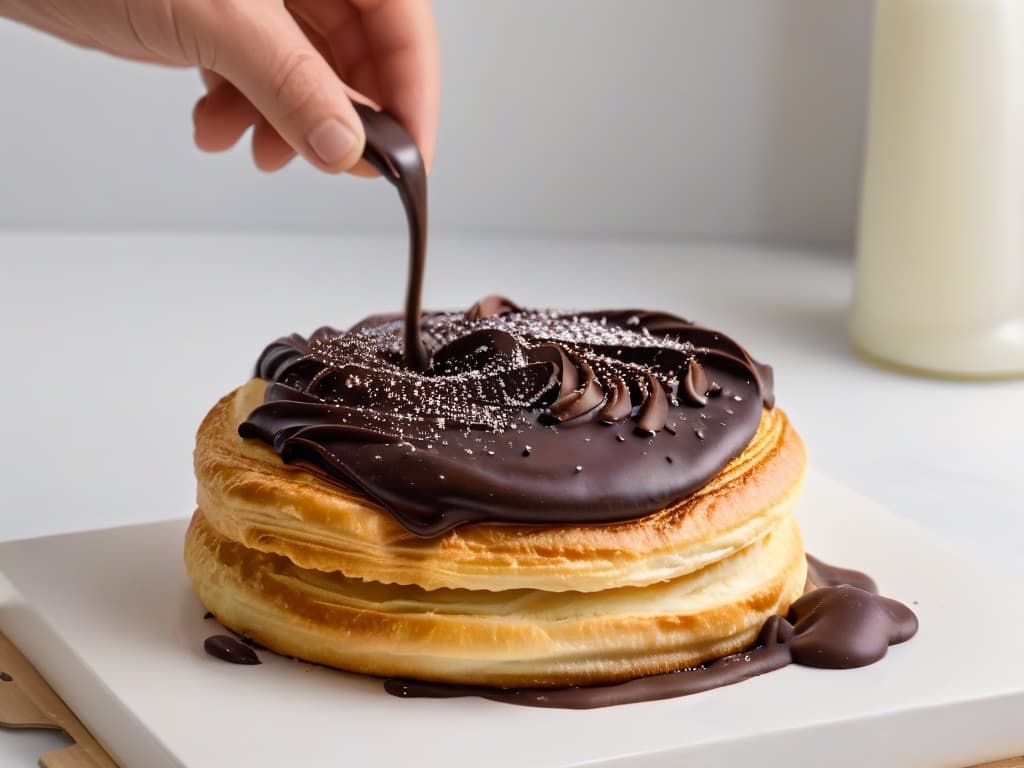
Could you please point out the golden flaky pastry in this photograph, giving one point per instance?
(317, 571)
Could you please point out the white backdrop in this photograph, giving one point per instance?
(739, 118)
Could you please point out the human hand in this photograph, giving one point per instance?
(286, 67)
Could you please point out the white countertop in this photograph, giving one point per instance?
(117, 344)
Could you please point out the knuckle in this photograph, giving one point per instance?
(222, 12)
(297, 80)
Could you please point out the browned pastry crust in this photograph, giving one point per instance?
(249, 496)
(520, 638)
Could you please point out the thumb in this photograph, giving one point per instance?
(265, 54)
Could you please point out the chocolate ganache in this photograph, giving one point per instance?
(525, 416)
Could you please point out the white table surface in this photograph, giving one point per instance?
(116, 344)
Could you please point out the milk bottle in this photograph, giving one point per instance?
(940, 263)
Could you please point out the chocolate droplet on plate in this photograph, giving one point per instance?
(229, 649)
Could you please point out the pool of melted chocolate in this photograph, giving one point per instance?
(840, 622)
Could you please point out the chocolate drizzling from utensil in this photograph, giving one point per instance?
(391, 150)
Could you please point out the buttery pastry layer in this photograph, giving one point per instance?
(250, 496)
(517, 637)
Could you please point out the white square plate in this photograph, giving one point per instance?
(109, 619)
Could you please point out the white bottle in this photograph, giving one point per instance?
(940, 263)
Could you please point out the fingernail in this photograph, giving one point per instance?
(331, 141)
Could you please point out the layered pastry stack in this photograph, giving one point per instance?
(559, 499)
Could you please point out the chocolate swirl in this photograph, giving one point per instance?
(525, 416)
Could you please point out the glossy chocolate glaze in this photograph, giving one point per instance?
(837, 627)
(227, 648)
(525, 416)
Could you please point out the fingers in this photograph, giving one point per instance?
(275, 67)
(386, 49)
(222, 116)
(269, 151)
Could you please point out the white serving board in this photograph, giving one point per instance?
(109, 619)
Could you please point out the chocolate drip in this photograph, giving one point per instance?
(821, 574)
(836, 627)
(229, 649)
(391, 150)
(445, 446)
